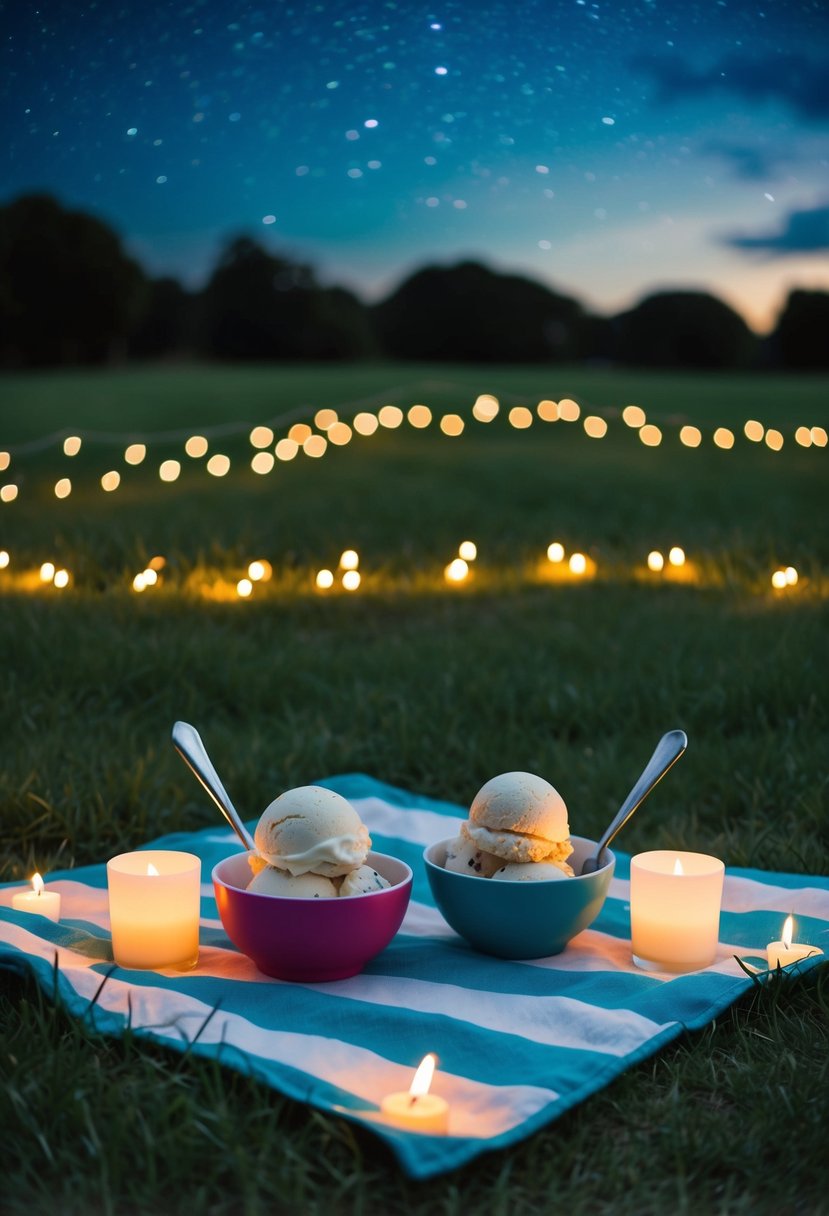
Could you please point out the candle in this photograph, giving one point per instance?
(417, 1110)
(675, 909)
(784, 952)
(154, 909)
(38, 900)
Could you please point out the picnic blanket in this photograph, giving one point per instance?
(518, 1043)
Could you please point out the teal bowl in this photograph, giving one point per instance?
(519, 919)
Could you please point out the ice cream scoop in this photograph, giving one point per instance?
(464, 857)
(361, 881)
(533, 871)
(520, 818)
(311, 829)
(271, 881)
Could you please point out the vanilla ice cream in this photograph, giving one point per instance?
(312, 830)
(464, 857)
(271, 881)
(520, 818)
(533, 871)
(361, 881)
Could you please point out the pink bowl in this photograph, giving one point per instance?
(311, 940)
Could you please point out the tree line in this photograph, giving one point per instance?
(70, 295)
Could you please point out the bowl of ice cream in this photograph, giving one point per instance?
(510, 883)
(314, 902)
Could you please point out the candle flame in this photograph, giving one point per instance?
(151, 870)
(423, 1077)
(788, 929)
(678, 867)
(37, 884)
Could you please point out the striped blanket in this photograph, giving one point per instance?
(518, 1043)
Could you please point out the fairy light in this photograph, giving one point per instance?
(819, 436)
(486, 408)
(419, 416)
(263, 463)
(315, 446)
(774, 439)
(690, 436)
(72, 445)
(111, 480)
(286, 449)
(169, 470)
(655, 561)
(676, 556)
(4, 558)
(365, 424)
(520, 417)
(260, 571)
(61, 579)
(150, 577)
(349, 559)
(803, 436)
(390, 416)
(324, 579)
(555, 551)
(724, 438)
(218, 465)
(139, 583)
(452, 425)
(5, 461)
(261, 437)
(568, 410)
(8, 492)
(134, 453)
(196, 446)
(791, 576)
(634, 416)
(47, 572)
(650, 435)
(325, 418)
(468, 550)
(754, 430)
(157, 563)
(244, 587)
(299, 432)
(456, 571)
(778, 580)
(595, 426)
(547, 411)
(63, 488)
(339, 433)
(351, 580)
(577, 563)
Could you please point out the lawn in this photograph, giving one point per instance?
(427, 686)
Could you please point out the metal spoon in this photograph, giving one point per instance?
(669, 748)
(189, 746)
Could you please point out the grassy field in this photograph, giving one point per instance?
(433, 688)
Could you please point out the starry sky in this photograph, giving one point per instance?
(606, 148)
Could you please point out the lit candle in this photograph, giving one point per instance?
(417, 1110)
(154, 909)
(675, 909)
(38, 900)
(784, 952)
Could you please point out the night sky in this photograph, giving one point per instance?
(608, 149)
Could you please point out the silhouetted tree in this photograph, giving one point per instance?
(683, 329)
(166, 323)
(469, 312)
(68, 292)
(801, 339)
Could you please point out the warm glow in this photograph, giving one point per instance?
(72, 445)
(578, 563)
(139, 582)
(803, 436)
(150, 577)
(419, 416)
(169, 470)
(196, 446)
(315, 446)
(111, 480)
(486, 408)
(547, 411)
(819, 436)
(63, 488)
(555, 551)
(349, 559)
(778, 580)
(351, 580)
(218, 465)
(37, 887)
(262, 463)
(324, 579)
(724, 438)
(4, 559)
(365, 424)
(774, 439)
(754, 430)
(677, 556)
(286, 449)
(456, 571)
(244, 587)
(47, 572)
(152, 872)
(325, 418)
(650, 435)
(158, 562)
(8, 493)
(61, 579)
(691, 436)
(390, 416)
(423, 1077)
(655, 560)
(520, 417)
(299, 432)
(468, 550)
(451, 424)
(568, 411)
(5, 461)
(678, 867)
(788, 931)
(595, 426)
(634, 416)
(791, 576)
(260, 571)
(261, 437)
(339, 433)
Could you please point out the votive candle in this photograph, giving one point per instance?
(675, 903)
(38, 900)
(154, 909)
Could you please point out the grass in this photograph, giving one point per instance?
(435, 690)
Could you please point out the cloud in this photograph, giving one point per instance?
(793, 78)
(804, 231)
(749, 162)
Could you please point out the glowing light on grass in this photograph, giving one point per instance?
(339, 433)
(196, 446)
(486, 408)
(351, 580)
(325, 418)
(4, 558)
(754, 430)
(568, 410)
(724, 438)
(634, 416)
(169, 470)
(63, 488)
(468, 550)
(778, 580)
(819, 436)
(299, 432)
(315, 446)
(555, 551)
(420, 416)
(261, 437)
(8, 492)
(72, 445)
(111, 481)
(47, 572)
(158, 562)
(390, 416)
(456, 571)
(5, 461)
(677, 556)
(134, 453)
(218, 465)
(349, 559)
(655, 560)
(61, 579)
(263, 463)
(803, 436)
(260, 571)
(150, 577)
(547, 411)
(139, 583)
(451, 424)
(577, 563)
(791, 576)
(324, 579)
(650, 435)
(690, 436)
(595, 426)
(286, 449)
(244, 587)
(520, 417)
(774, 439)
(365, 424)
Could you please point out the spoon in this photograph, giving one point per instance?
(189, 746)
(669, 748)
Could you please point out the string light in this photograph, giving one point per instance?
(5, 461)
(244, 587)
(677, 556)
(774, 439)
(468, 550)
(134, 453)
(196, 446)
(547, 411)
(634, 416)
(263, 463)
(61, 579)
(47, 572)
(286, 449)
(351, 580)
(655, 560)
(803, 436)
(690, 436)
(578, 563)
(819, 436)
(111, 480)
(139, 583)
(169, 470)
(555, 552)
(452, 425)
(72, 445)
(778, 580)
(595, 426)
(150, 577)
(324, 579)
(4, 559)
(568, 411)
(63, 488)
(315, 446)
(724, 438)
(218, 465)
(299, 432)
(486, 408)
(390, 416)
(261, 437)
(520, 417)
(791, 576)
(349, 559)
(339, 433)
(260, 571)
(456, 571)
(365, 424)
(8, 492)
(754, 430)
(420, 416)
(325, 418)
(650, 435)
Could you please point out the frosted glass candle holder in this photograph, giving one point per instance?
(154, 909)
(675, 903)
